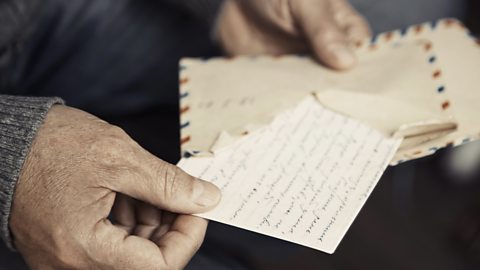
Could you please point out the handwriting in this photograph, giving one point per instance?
(303, 178)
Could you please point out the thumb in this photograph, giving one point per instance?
(328, 41)
(167, 187)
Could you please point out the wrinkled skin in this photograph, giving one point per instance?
(325, 28)
(78, 171)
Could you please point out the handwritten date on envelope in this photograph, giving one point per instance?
(303, 178)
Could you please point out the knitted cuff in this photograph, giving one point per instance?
(20, 118)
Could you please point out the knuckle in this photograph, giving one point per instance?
(169, 179)
(110, 153)
(101, 249)
(197, 244)
(117, 132)
(330, 35)
(113, 140)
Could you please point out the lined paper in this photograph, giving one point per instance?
(303, 178)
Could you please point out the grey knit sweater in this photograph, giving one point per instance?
(20, 118)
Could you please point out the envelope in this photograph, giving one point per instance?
(420, 83)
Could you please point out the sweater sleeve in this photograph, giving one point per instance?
(205, 10)
(20, 118)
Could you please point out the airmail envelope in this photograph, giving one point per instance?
(421, 84)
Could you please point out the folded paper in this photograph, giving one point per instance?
(303, 178)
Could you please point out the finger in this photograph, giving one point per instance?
(182, 241)
(357, 29)
(242, 32)
(167, 222)
(123, 212)
(165, 186)
(113, 248)
(353, 23)
(328, 41)
(148, 219)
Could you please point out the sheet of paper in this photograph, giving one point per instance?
(303, 178)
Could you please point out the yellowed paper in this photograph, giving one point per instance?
(303, 178)
(420, 84)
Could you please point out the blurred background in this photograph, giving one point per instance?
(423, 214)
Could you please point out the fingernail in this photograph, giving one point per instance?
(205, 194)
(344, 56)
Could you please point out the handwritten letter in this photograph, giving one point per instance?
(303, 178)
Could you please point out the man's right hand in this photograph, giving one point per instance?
(79, 170)
(324, 28)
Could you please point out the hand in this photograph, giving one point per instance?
(324, 27)
(78, 169)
